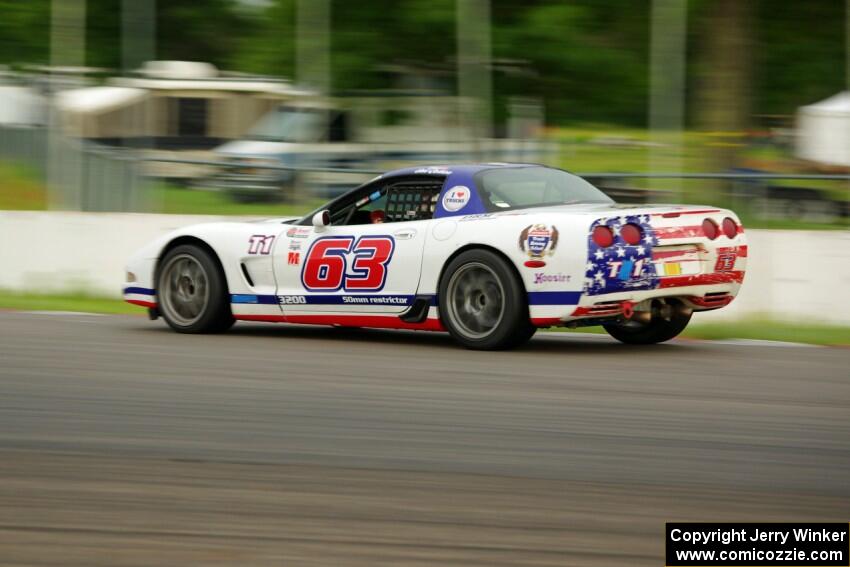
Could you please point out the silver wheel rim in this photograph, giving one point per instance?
(184, 291)
(476, 300)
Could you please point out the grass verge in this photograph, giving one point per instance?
(66, 302)
(766, 329)
(176, 200)
(757, 329)
(21, 189)
(762, 329)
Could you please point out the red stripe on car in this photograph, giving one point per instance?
(665, 232)
(378, 321)
(703, 279)
(700, 212)
(141, 302)
(545, 321)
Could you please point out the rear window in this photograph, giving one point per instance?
(522, 187)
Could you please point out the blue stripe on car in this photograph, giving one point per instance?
(139, 290)
(553, 297)
(534, 298)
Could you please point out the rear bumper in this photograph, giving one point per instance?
(674, 259)
(704, 292)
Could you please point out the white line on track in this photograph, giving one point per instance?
(760, 342)
(63, 313)
(730, 342)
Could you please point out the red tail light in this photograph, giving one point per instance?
(709, 229)
(730, 228)
(603, 236)
(631, 233)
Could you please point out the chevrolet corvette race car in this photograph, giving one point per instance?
(487, 252)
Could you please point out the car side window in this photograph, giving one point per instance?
(393, 201)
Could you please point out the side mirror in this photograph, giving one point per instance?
(321, 220)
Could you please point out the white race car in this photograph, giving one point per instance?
(487, 252)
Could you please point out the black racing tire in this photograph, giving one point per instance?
(192, 291)
(483, 303)
(658, 330)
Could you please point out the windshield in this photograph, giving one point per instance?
(288, 124)
(507, 188)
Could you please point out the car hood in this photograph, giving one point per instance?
(277, 220)
(253, 148)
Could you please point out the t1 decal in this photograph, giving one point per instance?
(337, 262)
(260, 244)
(626, 269)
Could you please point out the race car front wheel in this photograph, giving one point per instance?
(192, 292)
(482, 302)
(657, 330)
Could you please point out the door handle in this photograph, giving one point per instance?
(405, 233)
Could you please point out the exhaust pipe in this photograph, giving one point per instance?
(658, 309)
(665, 310)
(642, 317)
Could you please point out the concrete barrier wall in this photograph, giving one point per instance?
(793, 275)
(70, 251)
(797, 275)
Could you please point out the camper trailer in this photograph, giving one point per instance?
(171, 105)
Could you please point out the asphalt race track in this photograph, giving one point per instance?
(122, 443)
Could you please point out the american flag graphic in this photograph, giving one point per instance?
(621, 266)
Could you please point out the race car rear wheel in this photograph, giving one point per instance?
(482, 302)
(192, 292)
(657, 330)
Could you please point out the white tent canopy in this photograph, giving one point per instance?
(98, 99)
(102, 111)
(823, 131)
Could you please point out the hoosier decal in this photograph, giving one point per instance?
(544, 278)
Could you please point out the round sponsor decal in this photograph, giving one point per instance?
(456, 198)
(538, 240)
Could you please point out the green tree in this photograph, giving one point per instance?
(590, 57)
(725, 74)
(268, 47)
(199, 31)
(24, 31)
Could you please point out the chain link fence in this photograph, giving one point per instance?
(80, 176)
(89, 177)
